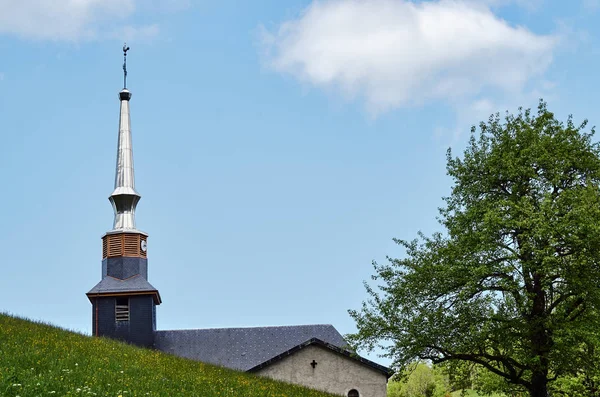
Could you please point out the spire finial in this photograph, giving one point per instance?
(125, 49)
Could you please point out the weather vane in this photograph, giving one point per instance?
(125, 49)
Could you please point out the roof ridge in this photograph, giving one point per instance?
(247, 327)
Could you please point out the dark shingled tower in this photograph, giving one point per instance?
(124, 302)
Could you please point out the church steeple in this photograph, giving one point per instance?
(124, 302)
(124, 198)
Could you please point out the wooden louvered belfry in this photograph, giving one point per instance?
(123, 244)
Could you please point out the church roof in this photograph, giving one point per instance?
(243, 348)
(317, 342)
(132, 286)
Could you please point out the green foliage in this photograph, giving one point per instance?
(586, 381)
(419, 380)
(476, 380)
(512, 283)
(37, 359)
(423, 380)
(473, 393)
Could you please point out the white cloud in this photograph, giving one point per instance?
(530, 5)
(71, 20)
(591, 5)
(396, 53)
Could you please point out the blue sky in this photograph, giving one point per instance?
(279, 146)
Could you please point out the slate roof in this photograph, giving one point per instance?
(132, 285)
(243, 348)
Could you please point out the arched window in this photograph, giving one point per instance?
(353, 393)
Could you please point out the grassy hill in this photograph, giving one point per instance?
(41, 360)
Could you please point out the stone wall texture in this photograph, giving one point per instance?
(334, 373)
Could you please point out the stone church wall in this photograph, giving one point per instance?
(333, 373)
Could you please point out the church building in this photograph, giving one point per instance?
(124, 307)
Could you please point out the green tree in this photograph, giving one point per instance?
(512, 282)
(419, 380)
(585, 382)
(464, 375)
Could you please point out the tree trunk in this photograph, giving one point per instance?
(539, 385)
(541, 342)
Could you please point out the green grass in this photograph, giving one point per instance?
(41, 360)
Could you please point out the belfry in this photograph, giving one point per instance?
(124, 302)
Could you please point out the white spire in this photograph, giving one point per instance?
(124, 198)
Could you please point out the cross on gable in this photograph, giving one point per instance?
(313, 364)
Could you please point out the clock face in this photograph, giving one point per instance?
(144, 245)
